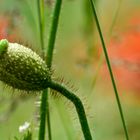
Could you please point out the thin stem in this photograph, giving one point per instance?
(115, 17)
(78, 105)
(109, 37)
(110, 69)
(53, 33)
(50, 55)
(48, 114)
(44, 108)
(40, 4)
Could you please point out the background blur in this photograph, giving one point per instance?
(79, 59)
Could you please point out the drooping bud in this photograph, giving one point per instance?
(22, 68)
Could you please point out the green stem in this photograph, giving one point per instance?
(44, 107)
(109, 36)
(49, 62)
(43, 110)
(115, 17)
(110, 69)
(79, 107)
(48, 115)
(76, 101)
(53, 33)
(40, 4)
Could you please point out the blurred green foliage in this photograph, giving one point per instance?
(103, 114)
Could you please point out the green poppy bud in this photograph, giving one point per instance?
(22, 68)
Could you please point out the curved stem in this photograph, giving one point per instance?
(110, 69)
(78, 105)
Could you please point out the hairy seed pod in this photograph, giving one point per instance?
(22, 68)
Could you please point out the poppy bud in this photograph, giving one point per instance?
(22, 68)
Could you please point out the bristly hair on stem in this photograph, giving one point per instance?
(109, 68)
(78, 105)
(19, 60)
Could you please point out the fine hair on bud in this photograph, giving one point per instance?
(21, 68)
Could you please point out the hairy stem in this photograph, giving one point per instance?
(110, 69)
(78, 105)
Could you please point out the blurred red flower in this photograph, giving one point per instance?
(124, 53)
(8, 29)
